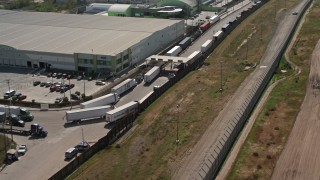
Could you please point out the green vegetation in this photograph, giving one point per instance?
(259, 153)
(151, 151)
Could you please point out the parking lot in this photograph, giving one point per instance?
(21, 80)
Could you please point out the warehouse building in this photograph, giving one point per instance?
(82, 42)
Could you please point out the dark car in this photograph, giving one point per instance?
(82, 146)
(79, 78)
(69, 86)
(75, 97)
(16, 121)
(90, 78)
(69, 76)
(64, 76)
(54, 75)
(49, 74)
(59, 75)
(43, 84)
(48, 84)
(36, 83)
(58, 100)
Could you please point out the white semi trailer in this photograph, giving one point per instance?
(86, 114)
(150, 75)
(101, 101)
(174, 51)
(122, 111)
(124, 86)
(206, 46)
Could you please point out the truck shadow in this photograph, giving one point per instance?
(86, 122)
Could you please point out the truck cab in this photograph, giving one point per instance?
(37, 130)
(26, 115)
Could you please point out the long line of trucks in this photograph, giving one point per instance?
(206, 46)
(124, 86)
(108, 99)
(88, 113)
(151, 74)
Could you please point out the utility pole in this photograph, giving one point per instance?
(84, 85)
(70, 94)
(177, 139)
(8, 81)
(64, 89)
(221, 76)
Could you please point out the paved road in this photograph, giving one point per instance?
(46, 156)
(300, 158)
(193, 162)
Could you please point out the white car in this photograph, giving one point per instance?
(22, 149)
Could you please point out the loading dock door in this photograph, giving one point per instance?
(29, 64)
(42, 64)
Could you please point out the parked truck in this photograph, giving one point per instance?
(88, 113)
(124, 86)
(174, 51)
(108, 99)
(214, 19)
(35, 130)
(23, 113)
(217, 35)
(120, 112)
(225, 27)
(206, 46)
(185, 42)
(151, 74)
(205, 26)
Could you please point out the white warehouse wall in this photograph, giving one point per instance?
(156, 41)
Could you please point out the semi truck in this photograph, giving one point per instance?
(214, 19)
(205, 26)
(120, 112)
(35, 130)
(217, 35)
(206, 46)
(88, 113)
(124, 86)
(174, 51)
(151, 74)
(185, 42)
(225, 27)
(23, 113)
(111, 98)
(194, 55)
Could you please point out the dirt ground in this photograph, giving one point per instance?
(301, 157)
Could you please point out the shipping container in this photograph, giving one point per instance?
(120, 112)
(150, 75)
(101, 101)
(195, 55)
(205, 26)
(185, 43)
(174, 51)
(232, 22)
(206, 46)
(217, 35)
(124, 86)
(214, 19)
(225, 27)
(86, 114)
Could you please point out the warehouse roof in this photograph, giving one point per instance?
(70, 33)
(119, 8)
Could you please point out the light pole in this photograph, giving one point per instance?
(70, 94)
(84, 85)
(8, 81)
(64, 89)
(221, 76)
(177, 139)
(81, 131)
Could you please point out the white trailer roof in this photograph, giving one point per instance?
(218, 33)
(122, 107)
(97, 99)
(194, 54)
(168, 58)
(122, 83)
(152, 70)
(206, 43)
(87, 109)
(72, 33)
(173, 49)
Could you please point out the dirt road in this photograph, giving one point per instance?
(193, 162)
(300, 159)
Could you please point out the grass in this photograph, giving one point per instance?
(273, 126)
(150, 152)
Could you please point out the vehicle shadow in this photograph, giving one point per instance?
(85, 122)
(109, 126)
